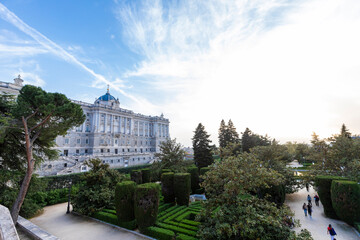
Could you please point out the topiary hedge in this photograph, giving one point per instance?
(160, 233)
(345, 198)
(146, 204)
(204, 170)
(194, 172)
(167, 187)
(136, 176)
(124, 201)
(182, 188)
(323, 183)
(146, 175)
(165, 170)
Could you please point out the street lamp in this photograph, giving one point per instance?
(68, 207)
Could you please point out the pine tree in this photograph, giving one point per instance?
(202, 149)
(222, 132)
(231, 135)
(345, 132)
(246, 140)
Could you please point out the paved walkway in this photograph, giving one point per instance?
(318, 224)
(68, 226)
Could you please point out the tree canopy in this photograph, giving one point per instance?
(35, 119)
(202, 149)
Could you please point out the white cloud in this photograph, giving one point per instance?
(57, 50)
(32, 79)
(277, 67)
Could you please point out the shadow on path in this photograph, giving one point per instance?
(68, 226)
(318, 223)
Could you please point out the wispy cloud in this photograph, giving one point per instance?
(274, 66)
(57, 50)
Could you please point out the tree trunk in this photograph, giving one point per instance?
(21, 196)
(26, 182)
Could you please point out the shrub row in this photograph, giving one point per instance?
(146, 204)
(345, 198)
(167, 187)
(182, 188)
(160, 233)
(323, 183)
(194, 173)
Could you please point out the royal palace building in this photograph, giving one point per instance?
(117, 136)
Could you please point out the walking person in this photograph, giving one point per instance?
(309, 198)
(316, 200)
(307, 186)
(331, 231)
(305, 209)
(309, 206)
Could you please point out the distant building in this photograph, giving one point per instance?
(117, 136)
(11, 88)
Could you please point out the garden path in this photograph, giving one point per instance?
(318, 224)
(68, 226)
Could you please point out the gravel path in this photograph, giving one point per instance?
(318, 224)
(70, 227)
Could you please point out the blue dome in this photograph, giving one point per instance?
(106, 97)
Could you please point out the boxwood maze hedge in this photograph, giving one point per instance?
(176, 221)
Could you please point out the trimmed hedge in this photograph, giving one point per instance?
(129, 169)
(204, 170)
(345, 198)
(167, 187)
(165, 170)
(146, 204)
(62, 181)
(146, 175)
(323, 183)
(185, 237)
(124, 201)
(136, 176)
(106, 217)
(182, 188)
(194, 172)
(160, 233)
(112, 218)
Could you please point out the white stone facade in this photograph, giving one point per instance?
(11, 88)
(117, 136)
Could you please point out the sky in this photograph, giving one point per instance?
(281, 68)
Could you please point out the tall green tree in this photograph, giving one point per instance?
(345, 132)
(38, 117)
(250, 140)
(202, 149)
(171, 154)
(222, 132)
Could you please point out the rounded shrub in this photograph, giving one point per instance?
(136, 176)
(182, 188)
(124, 201)
(323, 183)
(146, 204)
(194, 172)
(345, 198)
(167, 187)
(146, 175)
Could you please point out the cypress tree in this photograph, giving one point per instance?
(202, 149)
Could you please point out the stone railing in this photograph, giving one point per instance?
(7, 227)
